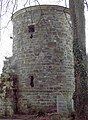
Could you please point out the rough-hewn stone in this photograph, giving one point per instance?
(46, 54)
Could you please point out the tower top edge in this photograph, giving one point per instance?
(41, 7)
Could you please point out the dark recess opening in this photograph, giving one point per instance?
(31, 36)
(15, 93)
(31, 81)
(31, 28)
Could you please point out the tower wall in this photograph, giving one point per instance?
(43, 51)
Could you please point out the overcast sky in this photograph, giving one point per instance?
(6, 42)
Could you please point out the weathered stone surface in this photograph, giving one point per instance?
(46, 54)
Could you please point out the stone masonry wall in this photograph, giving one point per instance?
(43, 57)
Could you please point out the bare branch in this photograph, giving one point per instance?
(86, 3)
(25, 3)
(7, 6)
(14, 6)
(65, 3)
(6, 26)
(60, 1)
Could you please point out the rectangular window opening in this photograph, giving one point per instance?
(31, 28)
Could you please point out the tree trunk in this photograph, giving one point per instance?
(80, 63)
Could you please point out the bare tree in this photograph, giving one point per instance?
(81, 93)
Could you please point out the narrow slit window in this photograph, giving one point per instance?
(31, 81)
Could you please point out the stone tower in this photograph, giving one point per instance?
(43, 57)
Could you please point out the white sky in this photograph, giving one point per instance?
(6, 42)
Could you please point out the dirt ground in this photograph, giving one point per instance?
(53, 116)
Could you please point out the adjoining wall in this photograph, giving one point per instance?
(43, 52)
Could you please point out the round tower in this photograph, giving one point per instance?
(43, 52)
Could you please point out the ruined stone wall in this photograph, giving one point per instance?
(43, 57)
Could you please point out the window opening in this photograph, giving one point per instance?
(31, 36)
(31, 28)
(31, 81)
